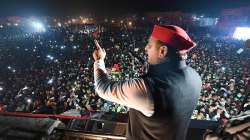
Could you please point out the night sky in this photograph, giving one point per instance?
(113, 7)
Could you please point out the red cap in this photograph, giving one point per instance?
(173, 36)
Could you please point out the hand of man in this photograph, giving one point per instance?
(99, 53)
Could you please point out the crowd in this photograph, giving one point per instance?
(224, 68)
(52, 72)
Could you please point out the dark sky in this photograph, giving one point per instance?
(113, 7)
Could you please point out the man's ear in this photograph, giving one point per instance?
(163, 51)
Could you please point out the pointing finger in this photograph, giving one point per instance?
(97, 44)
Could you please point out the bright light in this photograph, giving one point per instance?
(38, 27)
(50, 81)
(50, 57)
(63, 46)
(240, 51)
(195, 18)
(242, 33)
(25, 88)
(223, 68)
(130, 23)
(84, 21)
(29, 100)
(59, 24)
(1, 88)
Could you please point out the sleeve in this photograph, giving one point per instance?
(131, 93)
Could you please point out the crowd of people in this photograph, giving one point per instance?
(224, 68)
(52, 72)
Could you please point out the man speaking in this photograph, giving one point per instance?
(162, 101)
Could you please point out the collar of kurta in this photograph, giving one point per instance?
(165, 67)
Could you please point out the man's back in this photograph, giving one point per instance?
(175, 93)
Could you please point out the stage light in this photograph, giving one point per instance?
(1, 88)
(242, 33)
(38, 26)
